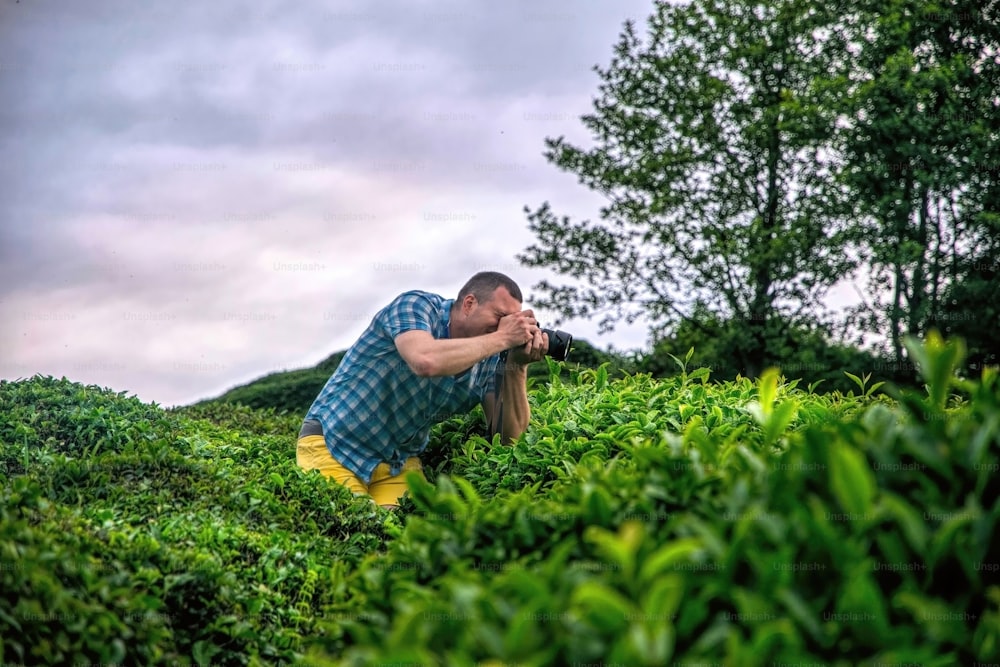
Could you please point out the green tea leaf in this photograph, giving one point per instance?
(779, 420)
(667, 557)
(800, 612)
(861, 603)
(858, 381)
(603, 607)
(909, 520)
(662, 598)
(940, 622)
(851, 480)
(767, 391)
(203, 651)
(937, 362)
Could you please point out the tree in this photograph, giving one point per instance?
(920, 142)
(710, 146)
(971, 309)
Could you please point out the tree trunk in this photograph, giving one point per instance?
(918, 287)
(762, 310)
(900, 291)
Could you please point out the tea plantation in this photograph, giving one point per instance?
(637, 522)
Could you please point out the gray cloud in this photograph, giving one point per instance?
(198, 194)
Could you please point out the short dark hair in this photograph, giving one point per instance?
(483, 284)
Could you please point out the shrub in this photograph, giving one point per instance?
(638, 521)
(135, 535)
(799, 530)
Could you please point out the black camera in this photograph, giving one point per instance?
(559, 343)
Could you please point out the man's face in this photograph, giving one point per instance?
(478, 319)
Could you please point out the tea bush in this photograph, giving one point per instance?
(136, 535)
(638, 521)
(764, 525)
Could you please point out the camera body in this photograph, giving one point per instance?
(559, 343)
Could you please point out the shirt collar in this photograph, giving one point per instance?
(446, 316)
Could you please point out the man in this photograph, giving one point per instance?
(422, 359)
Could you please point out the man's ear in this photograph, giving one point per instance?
(468, 303)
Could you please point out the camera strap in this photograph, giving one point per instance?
(498, 396)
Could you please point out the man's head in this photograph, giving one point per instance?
(481, 302)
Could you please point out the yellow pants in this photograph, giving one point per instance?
(311, 453)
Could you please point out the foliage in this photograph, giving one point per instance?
(135, 535)
(970, 309)
(762, 525)
(291, 391)
(799, 352)
(284, 391)
(583, 355)
(637, 521)
(708, 141)
(754, 154)
(920, 136)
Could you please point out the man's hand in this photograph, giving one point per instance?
(518, 328)
(529, 343)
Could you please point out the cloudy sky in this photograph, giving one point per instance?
(196, 194)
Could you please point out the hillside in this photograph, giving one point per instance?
(294, 390)
(638, 522)
(289, 391)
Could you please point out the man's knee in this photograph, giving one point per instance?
(388, 491)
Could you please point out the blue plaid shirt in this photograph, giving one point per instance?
(375, 409)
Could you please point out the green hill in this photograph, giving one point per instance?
(290, 391)
(293, 391)
(638, 521)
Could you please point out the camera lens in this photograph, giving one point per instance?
(559, 343)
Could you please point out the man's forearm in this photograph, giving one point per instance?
(451, 356)
(516, 412)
